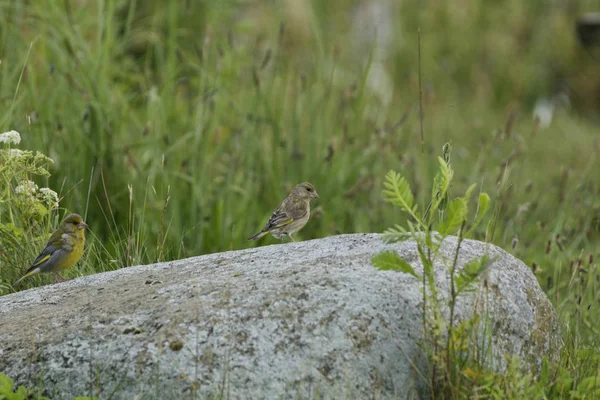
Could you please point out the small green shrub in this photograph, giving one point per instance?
(456, 369)
(9, 392)
(446, 343)
(26, 211)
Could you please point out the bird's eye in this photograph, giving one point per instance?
(309, 189)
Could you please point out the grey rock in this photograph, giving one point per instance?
(312, 319)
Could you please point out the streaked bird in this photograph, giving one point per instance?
(291, 215)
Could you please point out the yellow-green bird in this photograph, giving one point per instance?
(63, 250)
(291, 215)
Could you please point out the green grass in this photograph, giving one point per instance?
(177, 127)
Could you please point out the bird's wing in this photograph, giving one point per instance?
(56, 242)
(48, 263)
(288, 211)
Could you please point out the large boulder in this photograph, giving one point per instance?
(301, 320)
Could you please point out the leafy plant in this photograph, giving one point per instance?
(26, 210)
(428, 228)
(9, 392)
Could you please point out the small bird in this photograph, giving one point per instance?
(63, 250)
(291, 215)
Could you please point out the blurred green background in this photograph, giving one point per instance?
(176, 127)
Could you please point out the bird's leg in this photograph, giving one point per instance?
(291, 237)
(62, 279)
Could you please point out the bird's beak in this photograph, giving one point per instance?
(82, 225)
(316, 195)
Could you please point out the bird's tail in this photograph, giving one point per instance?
(29, 273)
(258, 235)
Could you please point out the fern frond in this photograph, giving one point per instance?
(397, 191)
(456, 214)
(391, 261)
(441, 184)
(396, 234)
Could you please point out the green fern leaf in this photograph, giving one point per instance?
(395, 234)
(456, 214)
(441, 184)
(397, 191)
(391, 261)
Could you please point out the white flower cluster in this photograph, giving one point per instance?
(31, 193)
(26, 188)
(14, 153)
(21, 164)
(50, 197)
(10, 137)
